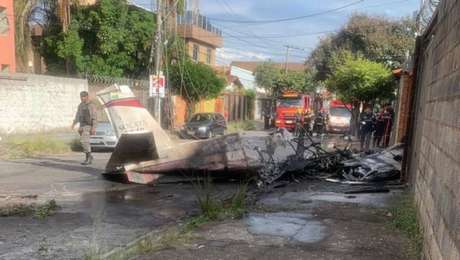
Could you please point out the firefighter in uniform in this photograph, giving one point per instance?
(86, 117)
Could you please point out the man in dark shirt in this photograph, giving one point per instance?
(366, 128)
(86, 117)
(379, 129)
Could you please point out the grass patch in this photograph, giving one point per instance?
(170, 238)
(213, 208)
(20, 210)
(38, 211)
(48, 209)
(238, 126)
(24, 146)
(404, 218)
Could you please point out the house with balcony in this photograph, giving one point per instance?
(201, 37)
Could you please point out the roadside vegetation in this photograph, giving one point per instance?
(24, 146)
(238, 126)
(213, 208)
(404, 219)
(39, 211)
(31, 145)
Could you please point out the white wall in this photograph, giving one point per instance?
(36, 103)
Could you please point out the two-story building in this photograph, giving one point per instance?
(201, 37)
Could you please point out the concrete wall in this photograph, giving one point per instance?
(33, 103)
(435, 148)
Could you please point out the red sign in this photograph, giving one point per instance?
(157, 85)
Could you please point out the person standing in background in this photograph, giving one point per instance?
(86, 117)
(388, 116)
(379, 129)
(366, 128)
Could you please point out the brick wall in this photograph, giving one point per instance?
(434, 158)
(33, 103)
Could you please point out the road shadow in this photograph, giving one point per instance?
(65, 165)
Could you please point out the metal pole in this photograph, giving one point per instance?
(158, 53)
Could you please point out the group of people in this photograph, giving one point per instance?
(375, 127)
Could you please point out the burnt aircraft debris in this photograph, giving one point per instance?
(145, 152)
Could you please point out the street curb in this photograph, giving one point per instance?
(126, 251)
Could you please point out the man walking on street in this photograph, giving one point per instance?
(86, 117)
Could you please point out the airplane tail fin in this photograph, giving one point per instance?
(140, 136)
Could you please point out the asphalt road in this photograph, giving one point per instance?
(95, 215)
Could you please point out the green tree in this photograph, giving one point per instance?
(276, 80)
(110, 38)
(358, 80)
(377, 38)
(267, 75)
(195, 81)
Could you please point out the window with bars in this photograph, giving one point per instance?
(208, 55)
(196, 50)
(4, 25)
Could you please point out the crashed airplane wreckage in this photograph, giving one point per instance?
(145, 152)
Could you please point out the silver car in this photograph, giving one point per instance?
(104, 138)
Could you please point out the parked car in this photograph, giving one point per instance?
(204, 125)
(104, 138)
(339, 120)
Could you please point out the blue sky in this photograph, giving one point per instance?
(243, 41)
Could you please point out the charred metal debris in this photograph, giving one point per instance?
(311, 160)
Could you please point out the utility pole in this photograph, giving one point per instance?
(288, 47)
(287, 58)
(157, 43)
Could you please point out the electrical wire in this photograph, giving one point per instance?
(289, 18)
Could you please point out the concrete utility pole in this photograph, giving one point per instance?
(158, 50)
(287, 58)
(288, 47)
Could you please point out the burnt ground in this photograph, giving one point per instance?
(310, 220)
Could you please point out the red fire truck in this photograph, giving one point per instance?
(290, 106)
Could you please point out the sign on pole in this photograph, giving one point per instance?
(157, 85)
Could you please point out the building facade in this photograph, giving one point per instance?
(7, 34)
(201, 37)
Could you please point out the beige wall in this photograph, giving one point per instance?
(202, 52)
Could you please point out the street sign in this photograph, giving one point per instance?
(157, 85)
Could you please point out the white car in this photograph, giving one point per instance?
(104, 138)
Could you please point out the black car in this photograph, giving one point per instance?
(205, 125)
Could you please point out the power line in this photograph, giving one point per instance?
(289, 18)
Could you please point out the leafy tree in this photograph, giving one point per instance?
(195, 81)
(267, 76)
(275, 80)
(377, 38)
(110, 38)
(357, 80)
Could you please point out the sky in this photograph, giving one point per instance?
(246, 40)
